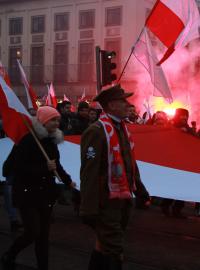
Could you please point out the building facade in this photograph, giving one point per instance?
(55, 40)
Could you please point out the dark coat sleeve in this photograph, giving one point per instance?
(64, 176)
(8, 164)
(92, 144)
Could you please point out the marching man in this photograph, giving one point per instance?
(109, 176)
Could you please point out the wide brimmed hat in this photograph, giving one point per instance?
(110, 94)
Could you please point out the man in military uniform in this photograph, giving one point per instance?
(109, 176)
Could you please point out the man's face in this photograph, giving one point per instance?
(84, 112)
(131, 112)
(119, 108)
(92, 115)
(67, 108)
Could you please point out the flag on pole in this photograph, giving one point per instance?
(51, 97)
(146, 55)
(174, 23)
(13, 113)
(83, 97)
(31, 96)
(4, 74)
(65, 98)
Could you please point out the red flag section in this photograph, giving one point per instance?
(13, 113)
(169, 147)
(165, 24)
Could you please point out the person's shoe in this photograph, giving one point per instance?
(7, 262)
(15, 225)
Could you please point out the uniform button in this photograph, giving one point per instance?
(44, 177)
(25, 190)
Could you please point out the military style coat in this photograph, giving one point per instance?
(94, 172)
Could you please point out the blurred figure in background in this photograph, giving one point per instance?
(68, 122)
(82, 117)
(92, 115)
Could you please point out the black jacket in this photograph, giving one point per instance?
(33, 182)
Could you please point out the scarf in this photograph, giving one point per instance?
(117, 179)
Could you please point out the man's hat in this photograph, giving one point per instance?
(110, 94)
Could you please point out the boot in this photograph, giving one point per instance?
(96, 261)
(7, 261)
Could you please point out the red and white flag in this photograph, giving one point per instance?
(145, 53)
(51, 97)
(65, 98)
(4, 74)
(83, 97)
(13, 113)
(174, 23)
(31, 96)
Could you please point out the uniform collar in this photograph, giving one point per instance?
(115, 118)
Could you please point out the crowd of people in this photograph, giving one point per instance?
(109, 175)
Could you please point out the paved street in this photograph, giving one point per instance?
(152, 241)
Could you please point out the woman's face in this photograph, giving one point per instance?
(52, 124)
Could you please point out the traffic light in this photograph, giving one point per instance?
(107, 66)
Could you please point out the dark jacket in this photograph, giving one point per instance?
(33, 182)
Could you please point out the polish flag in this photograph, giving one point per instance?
(167, 159)
(174, 23)
(146, 55)
(51, 97)
(65, 98)
(30, 94)
(4, 74)
(83, 97)
(13, 113)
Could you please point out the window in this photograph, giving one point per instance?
(86, 52)
(37, 61)
(86, 19)
(0, 27)
(37, 24)
(61, 22)
(113, 16)
(14, 54)
(60, 63)
(15, 26)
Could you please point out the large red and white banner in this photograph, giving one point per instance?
(168, 160)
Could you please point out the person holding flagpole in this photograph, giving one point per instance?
(34, 187)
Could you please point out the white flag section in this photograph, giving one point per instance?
(160, 181)
(26, 84)
(146, 55)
